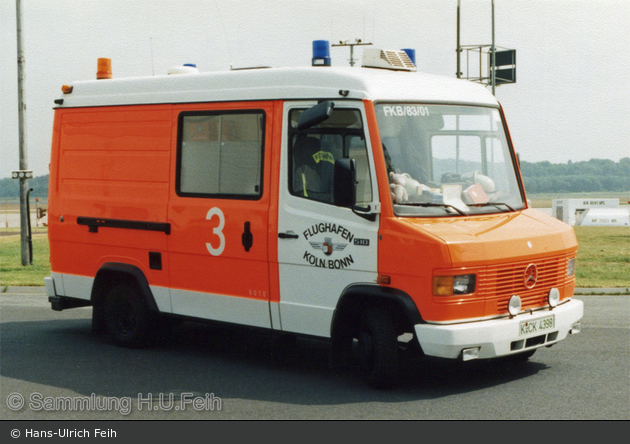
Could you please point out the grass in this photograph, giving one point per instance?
(603, 257)
(12, 272)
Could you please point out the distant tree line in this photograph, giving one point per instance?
(540, 177)
(588, 176)
(10, 188)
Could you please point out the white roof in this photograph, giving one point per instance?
(278, 83)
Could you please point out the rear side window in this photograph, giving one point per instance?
(220, 154)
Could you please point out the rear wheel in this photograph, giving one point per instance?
(129, 322)
(377, 346)
(99, 323)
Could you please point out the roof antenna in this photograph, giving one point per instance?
(358, 42)
(225, 34)
(152, 64)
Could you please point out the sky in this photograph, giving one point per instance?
(571, 100)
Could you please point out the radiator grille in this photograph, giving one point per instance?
(500, 282)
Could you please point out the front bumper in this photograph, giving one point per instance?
(499, 337)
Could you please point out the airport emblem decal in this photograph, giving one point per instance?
(327, 245)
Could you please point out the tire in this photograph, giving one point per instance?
(129, 323)
(378, 349)
(99, 324)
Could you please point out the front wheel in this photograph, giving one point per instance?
(129, 323)
(378, 349)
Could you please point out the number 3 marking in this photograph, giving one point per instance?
(218, 231)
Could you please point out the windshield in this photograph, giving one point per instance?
(447, 159)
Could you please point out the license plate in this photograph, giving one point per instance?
(540, 325)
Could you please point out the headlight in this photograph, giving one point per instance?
(452, 285)
(571, 267)
(514, 306)
(553, 297)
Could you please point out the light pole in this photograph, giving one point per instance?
(23, 175)
(459, 46)
(507, 59)
(493, 55)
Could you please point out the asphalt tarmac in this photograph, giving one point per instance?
(208, 372)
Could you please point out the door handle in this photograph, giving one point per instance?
(288, 235)
(247, 238)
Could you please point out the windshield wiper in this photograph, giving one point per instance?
(432, 204)
(494, 204)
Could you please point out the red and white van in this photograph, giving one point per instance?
(358, 205)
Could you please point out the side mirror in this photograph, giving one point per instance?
(345, 185)
(316, 114)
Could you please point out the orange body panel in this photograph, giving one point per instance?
(115, 165)
(235, 272)
(120, 163)
(274, 187)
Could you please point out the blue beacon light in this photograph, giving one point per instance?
(321, 53)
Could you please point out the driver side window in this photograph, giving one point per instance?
(313, 153)
(313, 167)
